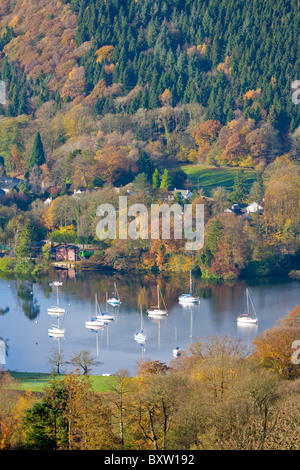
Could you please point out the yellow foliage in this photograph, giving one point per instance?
(104, 53)
(201, 48)
(273, 82)
(247, 162)
(14, 22)
(77, 73)
(69, 229)
(224, 66)
(252, 94)
(165, 97)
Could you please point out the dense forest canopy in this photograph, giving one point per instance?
(210, 52)
(105, 94)
(155, 69)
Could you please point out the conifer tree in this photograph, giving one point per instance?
(166, 182)
(155, 179)
(37, 156)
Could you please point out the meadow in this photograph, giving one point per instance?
(36, 382)
(209, 178)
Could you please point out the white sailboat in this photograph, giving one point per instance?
(177, 351)
(56, 311)
(246, 318)
(157, 311)
(105, 316)
(95, 323)
(56, 332)
(140, 336)
(190, 298)
(115, 300)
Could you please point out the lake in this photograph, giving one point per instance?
(24, 320)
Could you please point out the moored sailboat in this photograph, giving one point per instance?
(95, 323)
(140, 336)
(105, 316)
(157, 311)
(246, 318)
(56, 311)
(115, 300)
(190, 297)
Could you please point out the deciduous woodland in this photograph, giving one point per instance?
(213, 397)
(147, 99)
(112, 98)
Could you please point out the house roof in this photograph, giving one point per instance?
(67, 247)
(183, 192)
(253, 207)
(8, 183)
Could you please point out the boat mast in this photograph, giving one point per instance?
(158, 296)
(191, 287)
(247, 294)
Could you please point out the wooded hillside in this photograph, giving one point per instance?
(192, 81)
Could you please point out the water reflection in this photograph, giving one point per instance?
(247, 333)
(29, 303)
(114, 345)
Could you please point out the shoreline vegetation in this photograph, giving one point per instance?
(238, 242)
(244, 401)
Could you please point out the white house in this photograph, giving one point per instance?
(184, 193)
(254, 207)
(48, 201)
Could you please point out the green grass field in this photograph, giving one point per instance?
(36, 382)
(209, 178)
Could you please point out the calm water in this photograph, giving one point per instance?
(24, 321)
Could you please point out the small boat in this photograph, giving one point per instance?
(141, 337)
(56, 332)
(56, 311)
(105, 316)
(246, 318)
(157, 311)
(95, 324)
(56, 283)
(115, 300)
(190, 297)
(177, 351)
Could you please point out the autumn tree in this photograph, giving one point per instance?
(69, 416)
(118, 168)
(120, 403)
(281, 201)
(83, 360)
(204, 137)
(273, 348)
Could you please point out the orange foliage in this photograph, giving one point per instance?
(104, 53)
(53, 26)
(273, 348)
(206, 133)
(116, 157)
(252, 94)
